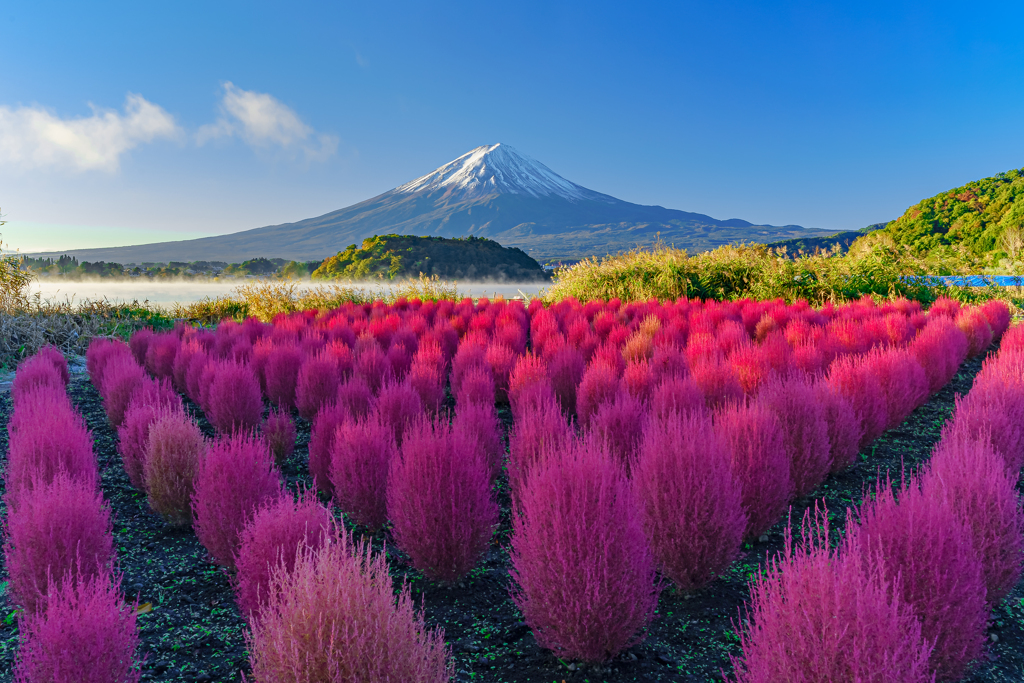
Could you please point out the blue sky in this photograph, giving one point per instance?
(126, 123)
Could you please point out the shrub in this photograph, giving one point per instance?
(427, 380)
(62, 529)
(147, 403)
(399, 361)
(173, 450)
(997, 313)
(858, 385)
(819, 614)
(940, 348)
(620, 425)
(583, 571)
(718, 383)
(904, 384)
(979, 333)
(470, 356)
(160, 354)
(87, 634)
(372, 365)
(121, 377)
(529, 384)
(33, 373)
(943, 586)
(479, 423)
(281, 374)
(194, 376)
(439, 499)
(139, 344)
(477, 386)
(235, 477)
(501, 359)
(638, 378)
(690, 502)
(356, 397)
(321, 441)
(844, 429)
(599, 385)
(234, 400)
(52, 354)
(973, 480)
(756, 444)
(566, 368)
(317, 384)
(1013, 339)
(100, 352)
(179, 371)
(279, 432)
(46, 436)
(334, 617)
(399, 406)
(795, 403)
(675, 396)
(991, 412)
(360, 455)
(536, 435)
(273, 536)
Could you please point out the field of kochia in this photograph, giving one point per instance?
(625, 449)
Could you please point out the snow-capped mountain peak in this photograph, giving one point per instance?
(498, 169)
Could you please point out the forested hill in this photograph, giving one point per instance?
(985, 216)
(401, 256)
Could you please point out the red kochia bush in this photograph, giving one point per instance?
(756, 444)
(87, 634)
(439, 500)
(926, 554)
(235, 478)
(479, 423)
(675, 396)
(820, 614)
(281, 374)
(360, 455)
(540, 431)
(334, 617)
(690, 502)
(317, 383)
(234, 398)
(36, 372)
(121, 377)
(173, 450)
(903, 381)
(52, 354)
(855, 382)
(427, 380)
(998, 315)
(599, 385)
(62, 529)
(273, 536)
(940, 348)
(717, 381)
(321, 441)
(620, 425)
(529, 384)
(802, 417)
(973, 480)
(583, 571)
(979, 333)
(501, 359)
(844, 429)
(279, 431)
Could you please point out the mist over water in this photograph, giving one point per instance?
(165, 292)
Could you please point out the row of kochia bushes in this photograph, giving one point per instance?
(58, 539)
(695, 423)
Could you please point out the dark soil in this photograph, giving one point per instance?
(194, 631)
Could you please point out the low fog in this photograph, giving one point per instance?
(163, 292)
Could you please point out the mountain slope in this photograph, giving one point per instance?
(492, 191)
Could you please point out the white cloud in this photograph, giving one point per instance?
(261, 120)
(35, 137)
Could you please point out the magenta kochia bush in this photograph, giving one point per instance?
(993, 411)
(599, 385)
(802, 417)
(234, 398)
(756, 444)
(272, 536)
(62, 529)
(675, 396)
(36, 372)
(139, 344)
(236, 477)
(279, 431)
(87, 634)
(690, 502)
(121, 377)
(926, 553)
(335, 618)
(477, 387)
(479, 423)
(317, 384)
(399, 406)
(903, 381)
(620, 424)
(844, 429)
(173, 450)
(539, 432)
(822, 614)
(282, 372)
(52, 354)
(583, 571)
(360, 455)
(148, 401)
(974, 481)
(852, 379)
(940, 348)
(160, 354)
(439, 500)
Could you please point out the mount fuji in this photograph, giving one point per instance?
(492, 191)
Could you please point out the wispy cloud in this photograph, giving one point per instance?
(32, 137)
(263, 121)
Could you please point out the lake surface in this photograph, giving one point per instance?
(165, 293)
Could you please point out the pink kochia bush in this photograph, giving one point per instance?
(399, 406)
(903, 381)
(282, 372)
(272, 537)
(926, 554)
(940, 348)
(317, 384)
(334, 618)
(690, 502)
(121, 377)
(854, 381)
(675, 396)
(52, 354)
(87, 634)
(620, 424)
(234, 398)
(62, 529)
(479, 423)
(279, 431)
(583, 571)
(844, 429)
(360, 455)
(439, 500)
(146, 405)
(824, 614)
(969, 476)
(235, 477)
(34, 372)
(538, 433)
(756, 444)
(599, 385)
(173, 449)
(795, 403)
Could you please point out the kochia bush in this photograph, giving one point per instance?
(583, 571)
(620, 425)
(34, 372)
(675, 396)
(281, 374)
(317, 384)
(903, 381)
(236, 477)
(52, 354)
(121, 377)
(844, 429)
(279, 431)
(439, 499)
(173, 449)
(399, 406)
(690, 502)
(146, 405)
(360, 455)
(538, 433)
(234, 398)
(802, 417)
(334, 617)
(857, 384)
(599, 385)
(479, 423)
